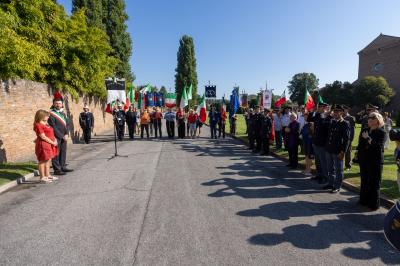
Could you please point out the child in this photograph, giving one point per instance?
(46, 145)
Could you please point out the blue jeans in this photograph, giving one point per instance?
(335, 170)
(320, 162)
(278, 139)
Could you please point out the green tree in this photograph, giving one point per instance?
(298, 85)
(51, 47)
(111, 16)
(338, 93)
(374, 90)
(186, 73)
(93, 10)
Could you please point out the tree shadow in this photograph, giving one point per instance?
(365, 229)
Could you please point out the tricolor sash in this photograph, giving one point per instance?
(59, 117)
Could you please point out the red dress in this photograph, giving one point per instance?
(44, 151)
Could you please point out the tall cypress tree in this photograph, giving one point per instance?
(114, 19)
(110, 15)
(186, 73)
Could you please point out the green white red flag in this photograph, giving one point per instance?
(170, 100)
(201, 109)
(308, 101)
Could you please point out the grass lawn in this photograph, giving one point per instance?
(12, 171)
(389, 177)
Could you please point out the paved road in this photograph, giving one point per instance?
(185, 202)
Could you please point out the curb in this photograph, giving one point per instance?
(385, 202)
(17, 182)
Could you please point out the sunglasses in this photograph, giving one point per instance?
(371, 117)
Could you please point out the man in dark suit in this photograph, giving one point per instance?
(119, 120)
(58, 120)
(86, 121)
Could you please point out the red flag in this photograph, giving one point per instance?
(281, 100)
(308, 101)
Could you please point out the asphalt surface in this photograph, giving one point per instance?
(185, 202)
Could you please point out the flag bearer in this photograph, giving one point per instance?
(266, 128)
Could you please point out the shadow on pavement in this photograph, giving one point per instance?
(252, 176)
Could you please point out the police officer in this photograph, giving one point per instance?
(352, 124)
(130, 118)
(86, 121)
(119, 120)
(250, 128)
(257, 121)
(336, 147)
(266, 127)
(59, 121)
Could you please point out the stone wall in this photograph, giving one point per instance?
(19, 100)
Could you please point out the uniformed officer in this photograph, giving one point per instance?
(86, 121)
(336, 147)
(352, 124)
(257, 121)
(130, 118)
(59, 121)
(266, 127)
(119, 120)
(170, 123)
(250, 128)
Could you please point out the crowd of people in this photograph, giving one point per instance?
(186, 122)
(325, 136)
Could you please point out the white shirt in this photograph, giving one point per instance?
(285, 120)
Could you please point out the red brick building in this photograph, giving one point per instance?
(382, 58)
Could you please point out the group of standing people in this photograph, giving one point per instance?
(325, 136)
(150, 121)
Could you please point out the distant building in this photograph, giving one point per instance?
(382, 58)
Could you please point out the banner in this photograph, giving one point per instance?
(159, 96)
(211, 91)
(267, 99)
(115, 90)
(244, 102)
(150, 99)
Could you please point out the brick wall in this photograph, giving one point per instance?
(19, 100)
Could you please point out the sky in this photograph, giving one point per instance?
(251, 43)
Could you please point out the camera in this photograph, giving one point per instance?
(394, 134)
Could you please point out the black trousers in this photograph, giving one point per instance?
(293, 156)
(213, 129)
(157, 127)
(258, 139)
(144, 127)
(181, 130)
(371, 175)
(251, 137)
(87, 135)
(265, 145)
(58, 162)
(221, 127)
(120, 131)
(170, 129)
(131, 130)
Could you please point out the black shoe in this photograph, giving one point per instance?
(327, 187)
(314, 178)
(289, 165)
(322, 181)
(335, 190)
(59, 173)
(66, 170)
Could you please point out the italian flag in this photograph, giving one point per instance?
(308, 101)
(201, 109)
(184, 99)
(281, 100)
(170, 100)
(142, 96)
(189, 92)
